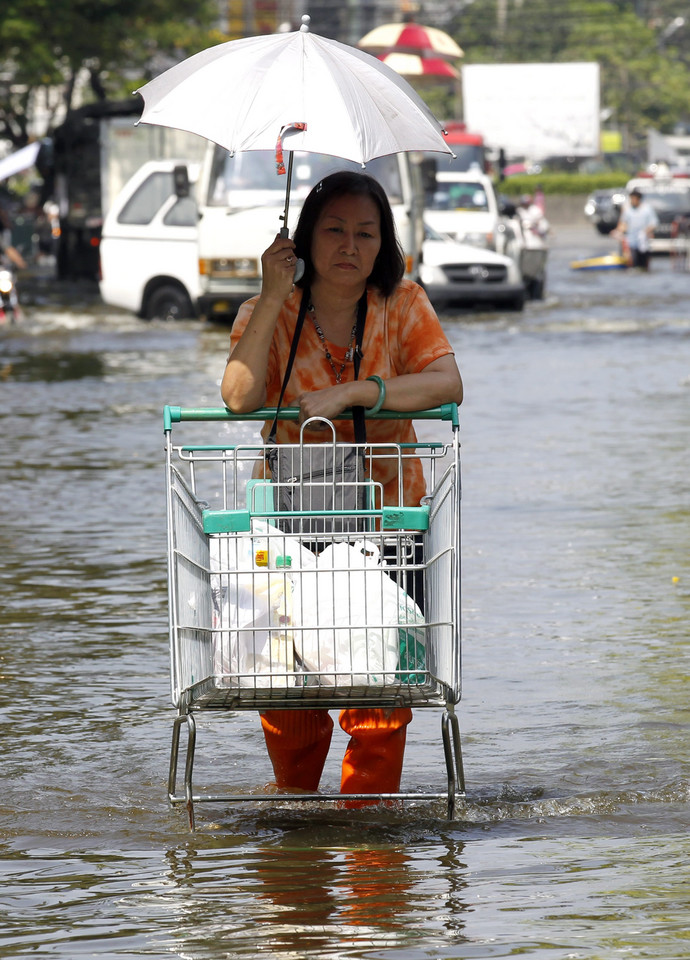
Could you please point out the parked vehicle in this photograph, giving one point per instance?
(670, 197)
(464, 207)
(469, 149)
(603, 208)
(241, 202)
(461, 274)
(150, 264)
(668, 194)
(149, 259)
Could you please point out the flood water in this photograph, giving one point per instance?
(573, 841)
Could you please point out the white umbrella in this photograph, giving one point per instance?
(328, 97)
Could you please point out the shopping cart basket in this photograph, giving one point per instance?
(342, 607)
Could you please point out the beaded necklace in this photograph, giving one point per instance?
(350, 350)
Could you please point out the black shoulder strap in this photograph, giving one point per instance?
(357, 412)
(291, 359)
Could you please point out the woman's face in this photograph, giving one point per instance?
(346, 241)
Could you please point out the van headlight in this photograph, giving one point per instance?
(230, 268)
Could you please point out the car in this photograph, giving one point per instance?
(669, 195)
(455, 274)
(603, 207)
(464, 207)
(148, 251)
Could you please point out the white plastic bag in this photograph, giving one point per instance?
(253, 606)
(350, 611)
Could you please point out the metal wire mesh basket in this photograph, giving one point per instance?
(340, 601)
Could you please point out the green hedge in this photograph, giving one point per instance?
(561, 183)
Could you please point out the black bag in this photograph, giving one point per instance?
(321, 477)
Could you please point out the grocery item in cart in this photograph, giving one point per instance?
(339, 620)
(252, 589)
(350, 617)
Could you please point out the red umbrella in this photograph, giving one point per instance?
(410, 37)
(414, 65)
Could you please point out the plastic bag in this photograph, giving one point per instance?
(253, 606)
(350, 614)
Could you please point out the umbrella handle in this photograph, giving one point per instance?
(284, 232)
(299, 264)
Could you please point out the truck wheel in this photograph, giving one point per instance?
(168, 303)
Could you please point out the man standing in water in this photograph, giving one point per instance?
(636, 227)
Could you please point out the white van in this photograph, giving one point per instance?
(464, 206)
(148, 250)
(181, 241)
(241, 202)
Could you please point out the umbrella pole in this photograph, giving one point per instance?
(284, 231)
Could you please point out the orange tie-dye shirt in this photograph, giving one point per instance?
(402, 335)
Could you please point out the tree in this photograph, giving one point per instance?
(641, 45)
(117, 44)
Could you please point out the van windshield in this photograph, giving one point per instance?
(250, 180)
(459, 196)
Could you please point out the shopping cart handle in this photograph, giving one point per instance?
(447, 411)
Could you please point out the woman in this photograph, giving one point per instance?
(346, 237)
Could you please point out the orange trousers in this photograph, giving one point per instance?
(298, 742)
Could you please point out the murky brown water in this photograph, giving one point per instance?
(573, 841)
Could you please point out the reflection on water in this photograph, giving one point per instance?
(573, 838)
(320, 891)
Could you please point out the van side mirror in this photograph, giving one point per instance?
(428, 169)
(181, 180)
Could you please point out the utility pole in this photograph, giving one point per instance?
(501, 17)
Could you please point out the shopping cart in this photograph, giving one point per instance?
(314, 608)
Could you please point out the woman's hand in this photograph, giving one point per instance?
(278, 269)
(327, 403)
(243, 387)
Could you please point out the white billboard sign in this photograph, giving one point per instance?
(534, 110)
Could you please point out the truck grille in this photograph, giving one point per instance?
(475, 272)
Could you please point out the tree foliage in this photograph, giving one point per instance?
(48, 46)
(642, 48)
(116, 44)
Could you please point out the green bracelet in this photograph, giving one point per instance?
(372, 411)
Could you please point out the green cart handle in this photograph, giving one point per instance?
(171, 414)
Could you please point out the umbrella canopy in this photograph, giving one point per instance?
(413, 65)
(329, 97)
(410, 37)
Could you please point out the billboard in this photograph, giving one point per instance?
(534, 110)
